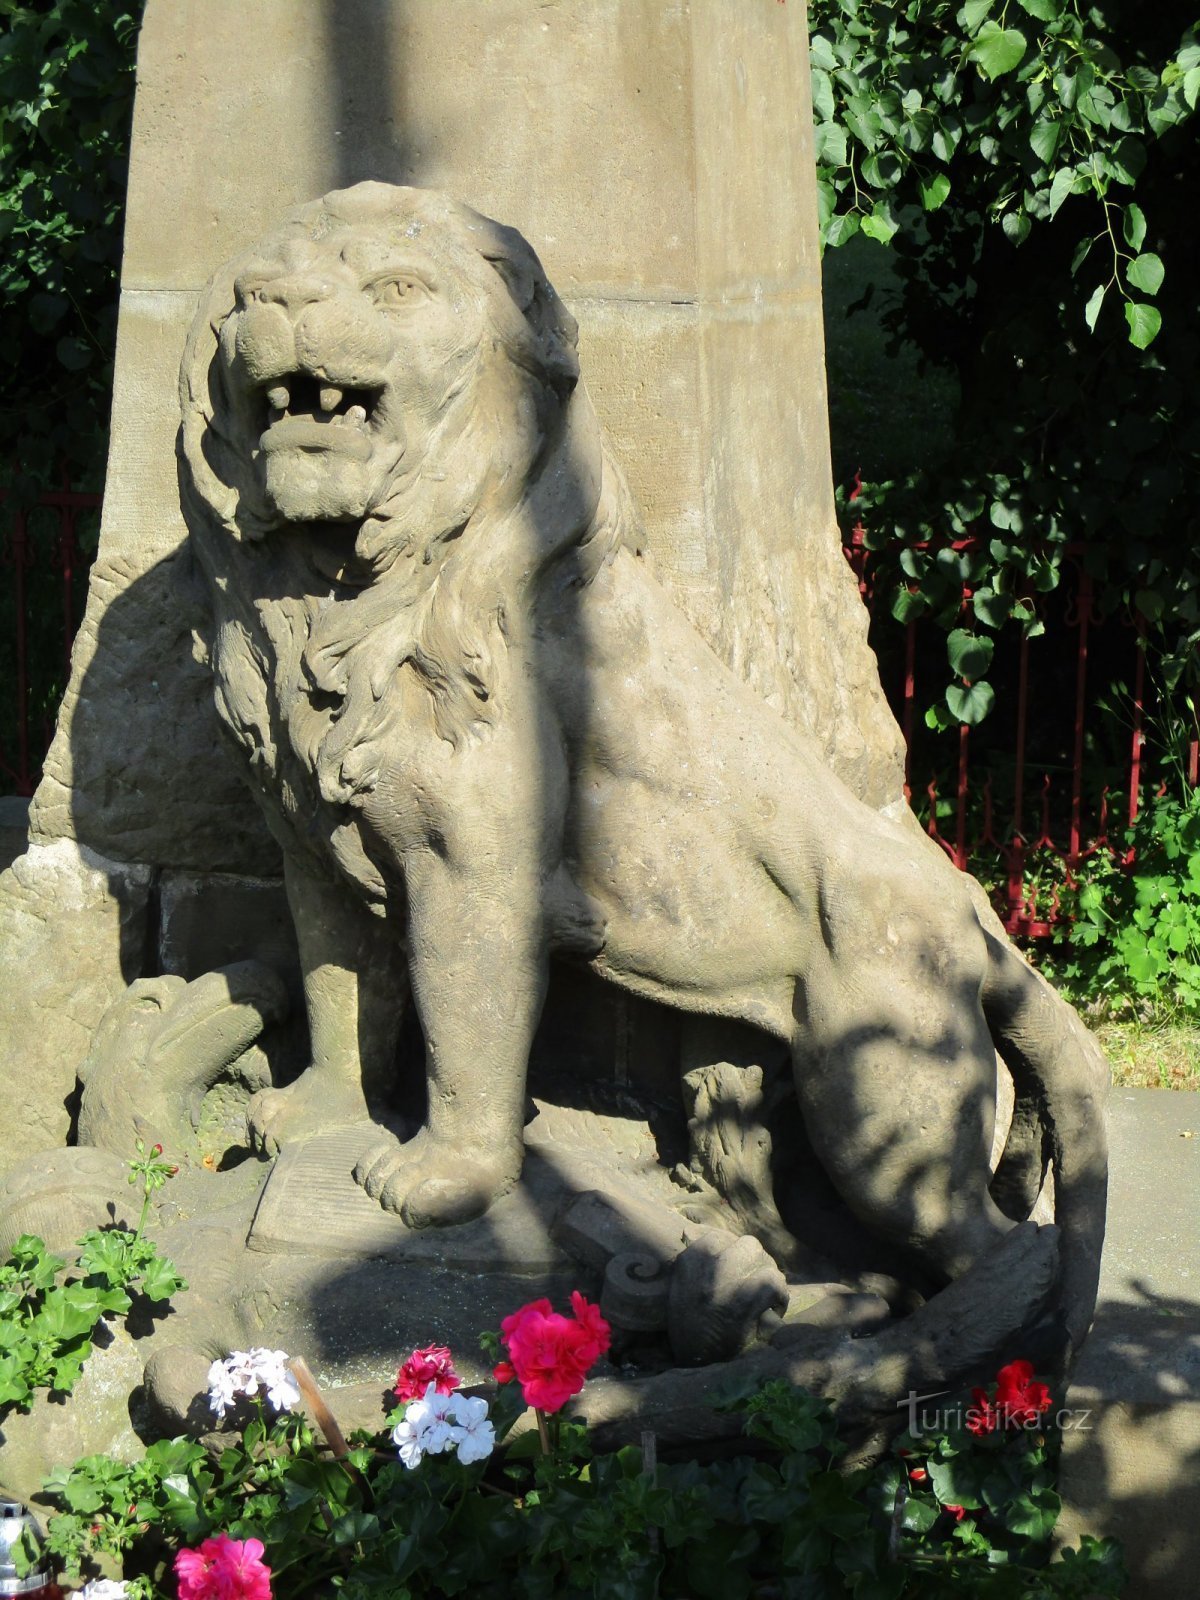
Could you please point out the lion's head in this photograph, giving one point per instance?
(384, 445)
(330, 364)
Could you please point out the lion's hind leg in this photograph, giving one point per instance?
(895, 1077)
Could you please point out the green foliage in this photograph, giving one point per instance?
(785, 1520)
(1026, 163)
(49, 1315)
(1135, 938)
(66, 90)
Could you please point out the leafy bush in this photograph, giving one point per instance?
(49, 1314)
(66, 93)
(1028, 166)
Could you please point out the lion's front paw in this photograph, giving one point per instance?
(433, 1184)
(311, 1105)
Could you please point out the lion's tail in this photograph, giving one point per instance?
(1061, 1080)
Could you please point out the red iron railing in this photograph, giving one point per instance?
(39, 547)
(1017, 845)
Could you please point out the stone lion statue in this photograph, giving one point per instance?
(486, 739)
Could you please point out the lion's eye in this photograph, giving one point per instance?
(392, 292)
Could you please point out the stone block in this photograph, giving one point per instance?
(212, 921)
(73, 929)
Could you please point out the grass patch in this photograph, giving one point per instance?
(1163, 1053)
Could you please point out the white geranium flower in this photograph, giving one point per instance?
(249, 1372)
(103, 1589)
(426, 1428)
(441, 1422)
(222, 1389)
(475, 1436)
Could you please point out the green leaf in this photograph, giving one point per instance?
(842, 228)
(1133, 226)
(1092, 310)
(973, 13)
(1144, 323)
(991, 608)
(1016, 226)
(970, 706)
(997, 50)
(1191, 86)
(73, 353)
(908, 604)
(934, 190)
(820, 53)
(970, 654)
(1060, 187)
(880, 224)
(1145, 273)
(829, 144)
(1043, 10)
(822, 96)
(1044, 139)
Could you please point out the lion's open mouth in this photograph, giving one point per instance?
(303, 413)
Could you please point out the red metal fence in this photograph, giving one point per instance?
(1048, 824)
(44, 564)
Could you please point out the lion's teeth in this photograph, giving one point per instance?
(331, 398)
(278, 397)
(356, 414)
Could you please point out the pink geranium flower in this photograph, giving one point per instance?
(550, 1355)
(224, 1569)
(434, 1364)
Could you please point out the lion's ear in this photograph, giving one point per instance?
(553, 329)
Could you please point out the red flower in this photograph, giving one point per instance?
(434, 1364)
(1020, 1399)
(982, 1416)
(918, 1474)
(550, 1355)
(224, 1569)
(957, 1512)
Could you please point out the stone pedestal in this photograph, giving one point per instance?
(659, 158)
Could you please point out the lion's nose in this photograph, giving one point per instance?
(296, 292)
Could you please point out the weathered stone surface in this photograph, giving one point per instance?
(209, 921)
(686, 248)
(72, 935)
(137, 768)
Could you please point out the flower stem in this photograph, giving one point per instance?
(543, 1432)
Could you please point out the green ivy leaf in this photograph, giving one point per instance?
(822, 95)
(842, 228)
(1133, 226)
(933, 190)
(1043, 10)
(1144, 322)
(997, 50)
(1016, 226)
(1145, 273)
(1191, 86)
(1060, 187)
(829, 144)
(972, 14)
(991, 608)
(1044, 139)
(970, 654)
(1092, 310)
(881, 224)
(970, 705)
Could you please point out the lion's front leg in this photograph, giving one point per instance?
(478, 967)
(355, 987)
